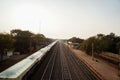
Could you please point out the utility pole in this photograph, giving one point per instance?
(92, 51)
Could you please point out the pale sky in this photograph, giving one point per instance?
(61, 18)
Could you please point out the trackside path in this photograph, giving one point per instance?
(104, 70)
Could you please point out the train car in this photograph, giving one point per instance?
(17, 71)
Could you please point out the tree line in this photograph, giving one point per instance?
(21, 41)
(100, 42)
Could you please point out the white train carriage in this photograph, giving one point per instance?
(17, 71)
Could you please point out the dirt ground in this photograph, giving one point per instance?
(100, 67)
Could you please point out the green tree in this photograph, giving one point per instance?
(87, 45)
(99, 45)
(26, 41)
(22, 40)
(109, 43)
(118, 47)
(6, 43)
(112, 39)
(76, 40)
(38, 40)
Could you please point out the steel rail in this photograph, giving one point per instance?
(65, 69)
(42, 78)
(52, 66)
(52, 60)
(86, 71)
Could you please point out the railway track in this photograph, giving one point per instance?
(57, 75)
(66, 75)
(62, 64)
(81, 70)
(49, 68)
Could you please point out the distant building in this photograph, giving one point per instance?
(73, 45)
(7, 55)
